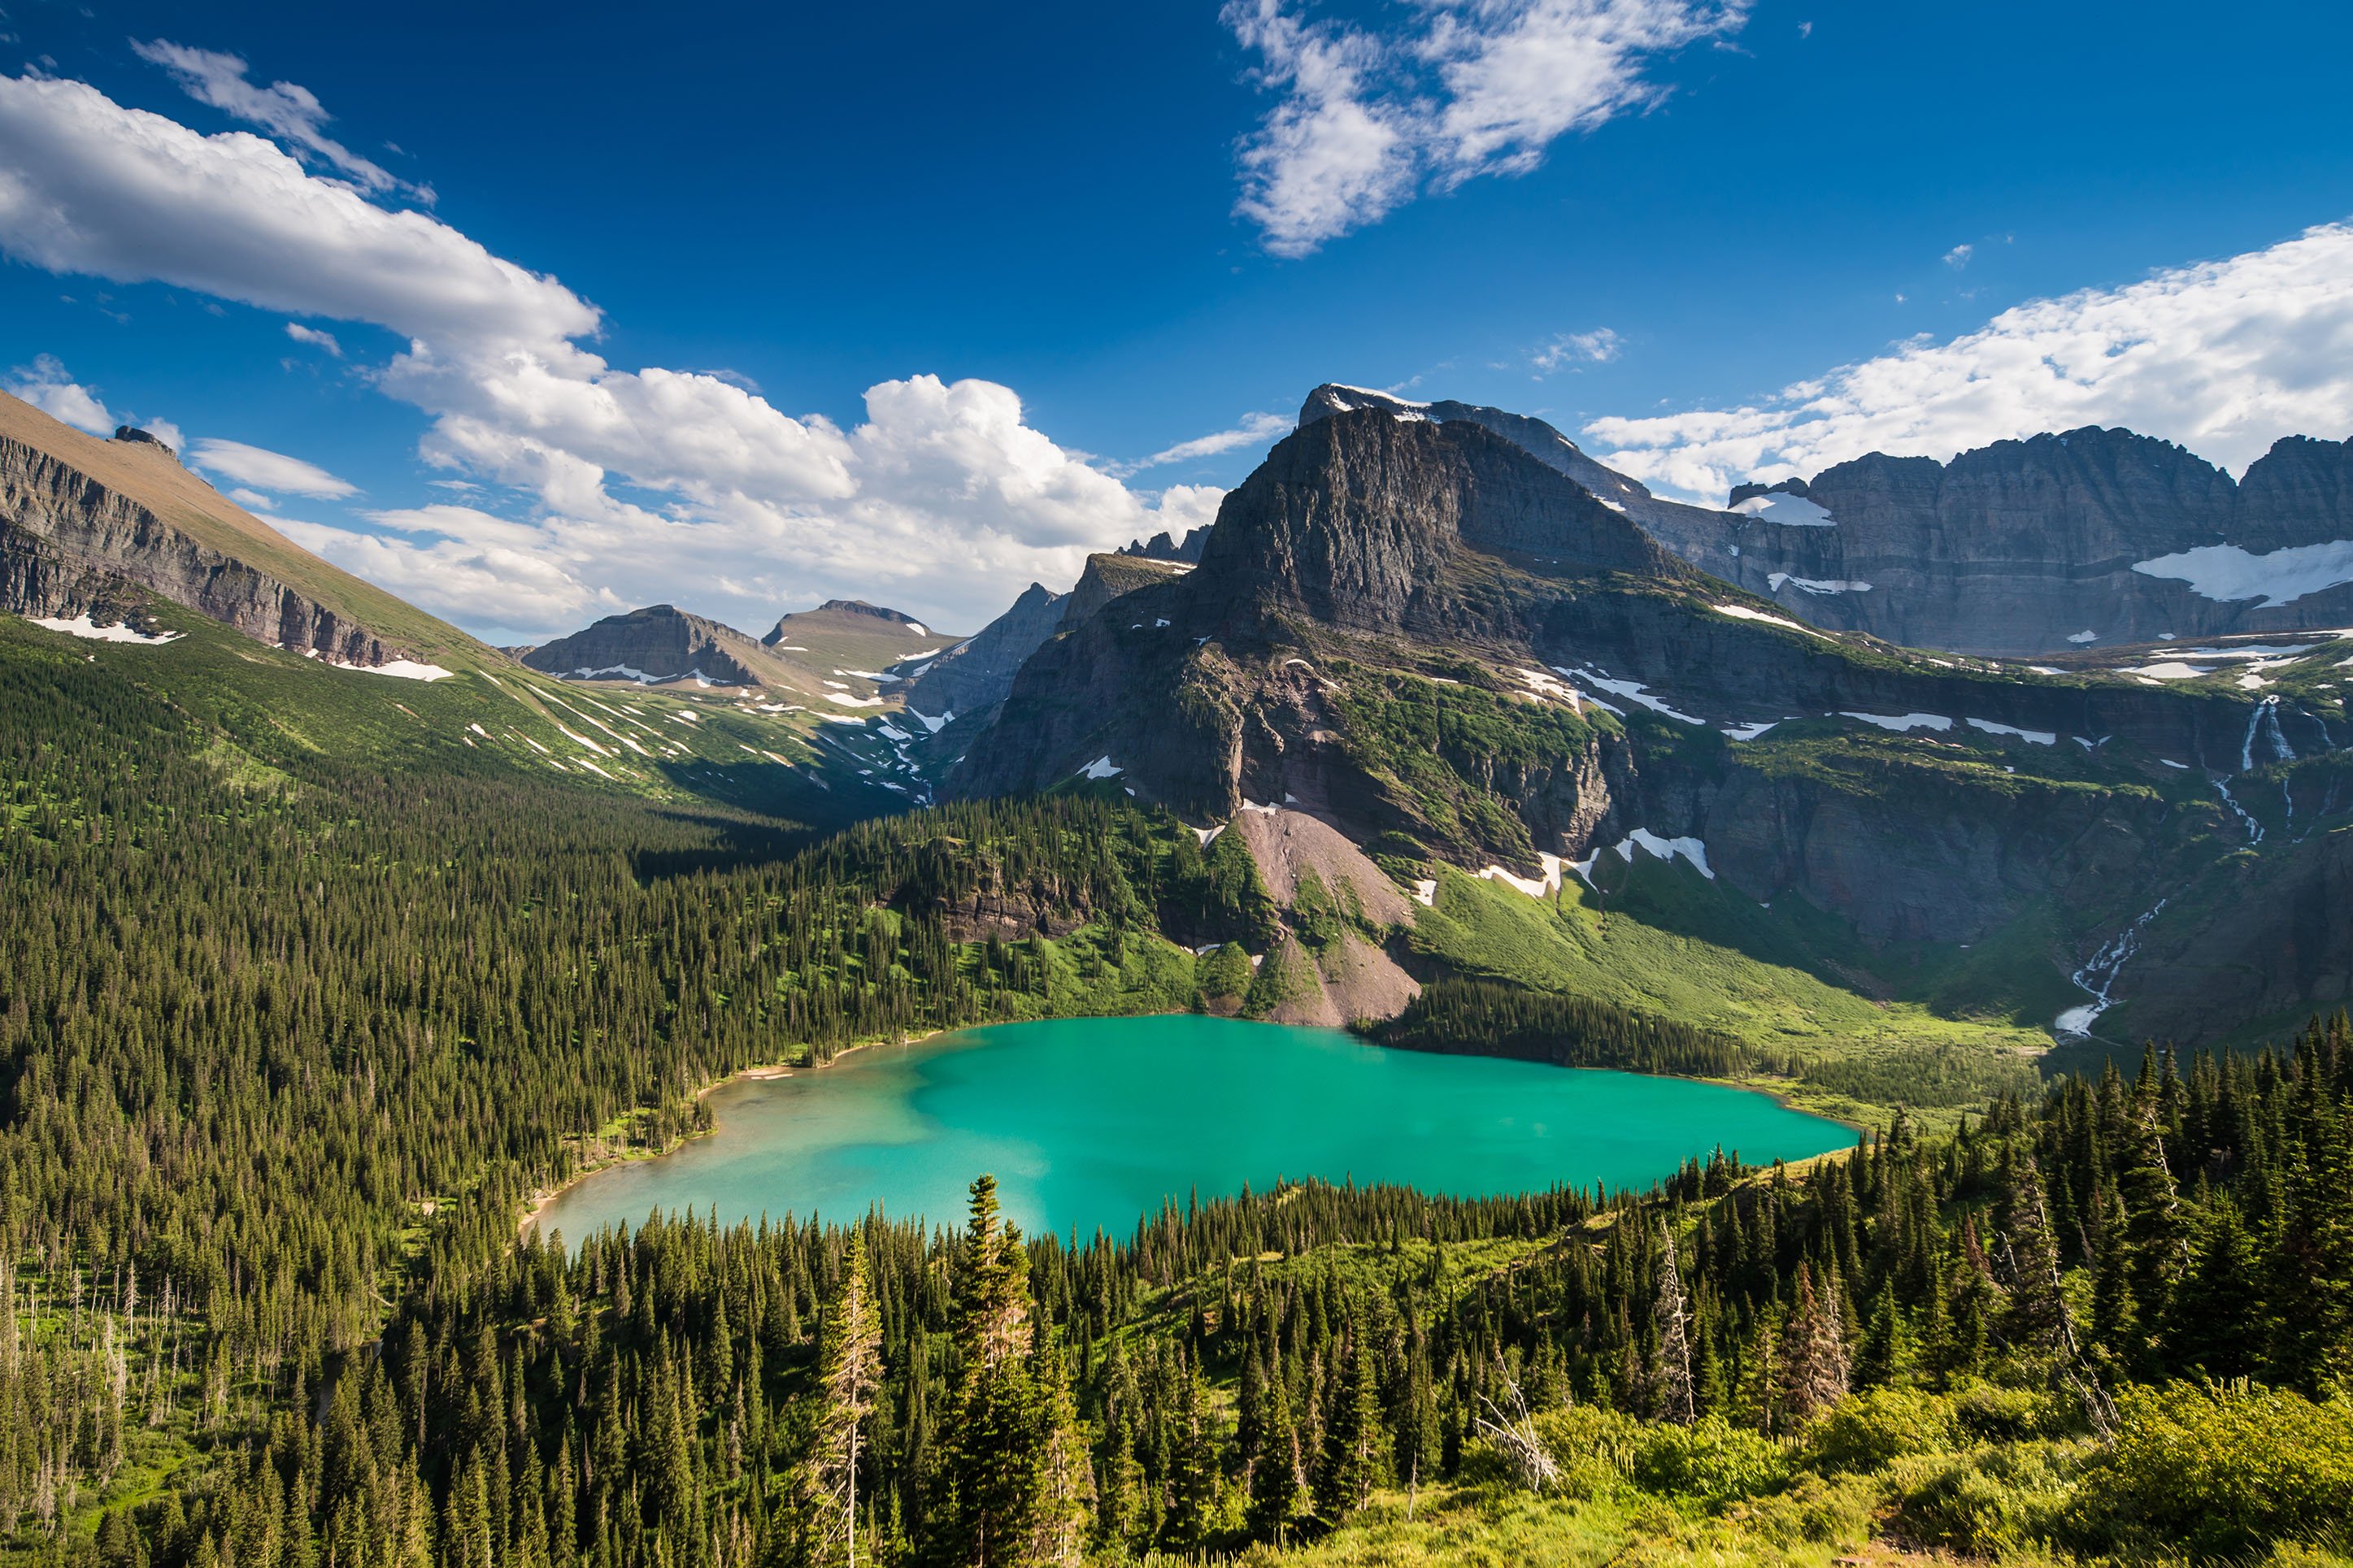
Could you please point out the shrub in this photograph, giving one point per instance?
(1594, 1448)
(1988, 1501)
(2222, 1471)
(1991, 1414)
(1869, 1431)
(1712, 1463)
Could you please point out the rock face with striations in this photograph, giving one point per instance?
(657, 642)
(2088, 538)
(2047, 545)
(87, 524)
(978, 673)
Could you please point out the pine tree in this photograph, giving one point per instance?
(984, 1510)
(1275, 1481)
(1352, 1463)
(1814, 1358)
(849, 1370)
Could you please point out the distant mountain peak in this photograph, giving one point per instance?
(861, 607)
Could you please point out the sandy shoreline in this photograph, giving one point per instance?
(537, 1204)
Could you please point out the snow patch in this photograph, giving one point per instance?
(2168, 669)
(1748, 732)
(847, 700)
(2229, 572)
(1425, 892)
(1743, 612)
(1102, 767)
(1631, 691)
(1816, 584)
(399, 669)
(2083, 636)
(1789, 510)
(82, 626)
(2038, 737)
(1535, 888)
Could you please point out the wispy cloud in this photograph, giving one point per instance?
(259, 468)
(314, 337)
(1571, 350)
(1958, 257)
(1254, 429)
(1367, 120)
(283, 108)
(2225, 357)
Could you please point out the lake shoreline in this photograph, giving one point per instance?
(542, 1199)
(536, 1206)
(1756, 1134)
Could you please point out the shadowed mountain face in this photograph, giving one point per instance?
(1449, 651)
(2092, 538)
(657, 642)
(978, 673)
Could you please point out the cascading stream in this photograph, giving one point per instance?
(2098, 976)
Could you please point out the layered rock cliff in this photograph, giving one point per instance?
(88, 524)
(2086, 539)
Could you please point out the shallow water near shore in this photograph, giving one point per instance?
(1096, 1121)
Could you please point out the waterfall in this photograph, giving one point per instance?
(2264, 720)
(2098, 976)
(2254, 829)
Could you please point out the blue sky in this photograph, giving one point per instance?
(1109, 232)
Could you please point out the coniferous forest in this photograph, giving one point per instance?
(287, 1039)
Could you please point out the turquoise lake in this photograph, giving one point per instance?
(1093, 1122)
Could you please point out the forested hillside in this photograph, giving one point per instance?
(288, 1040)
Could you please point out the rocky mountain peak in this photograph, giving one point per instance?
(657, 642)
(1355, 514)
(1162, 547)
(874, 612)
(131, 435)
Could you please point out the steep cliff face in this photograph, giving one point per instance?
(2089, 537)
(978, 671)
(87, 524)
(1415, 632)
(657, 642)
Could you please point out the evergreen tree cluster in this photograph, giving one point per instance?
(1483, 1018)
(1258, 1368)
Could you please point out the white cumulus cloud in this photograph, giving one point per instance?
(648, 484)
(49, 387)
(1367, 120)
(2224, 357)
(262, 470)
